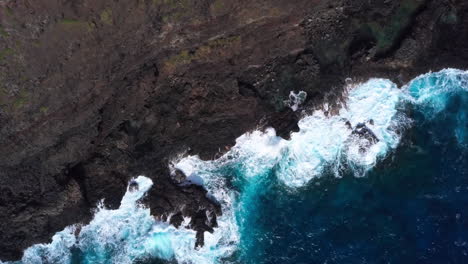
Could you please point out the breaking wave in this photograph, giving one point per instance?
(126, 235)
(325, 143)
(366, 130)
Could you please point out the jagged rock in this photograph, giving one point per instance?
(93, 93)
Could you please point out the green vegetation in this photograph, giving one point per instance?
(450, 17)
(13, 102)
(175, 16)
(174, 10)
(218, 7)
(6, 52)
(184, 57)
(23, 78)
(214, 48)
(78, 24)
(172, 3)
(8, 11)
(3, 33)
(106, 16)
(387, 34)
(44, 109)
(20, 100)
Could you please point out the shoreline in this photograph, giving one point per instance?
(83, 114)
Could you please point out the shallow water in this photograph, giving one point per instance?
(327, 195)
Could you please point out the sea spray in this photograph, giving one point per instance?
(442, 95)
(322, 141)
(242, 177)
(324, 144)
(126, 235)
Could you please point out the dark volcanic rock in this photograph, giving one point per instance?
(93, 93)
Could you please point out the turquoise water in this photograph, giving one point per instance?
(328, 195)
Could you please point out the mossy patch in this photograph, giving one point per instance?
(20, 100)
(172, 3)
(8, 11)
(184, 57)
(106, 16)
(175, 10)
(212, 49)
(216, 46)
(77, 24)
(69, 22)
(218, 7)
(449, 18)
(173, 16)
(386, 35)
(23, 78)
(3, 33)
(6, 52)
(44, 109)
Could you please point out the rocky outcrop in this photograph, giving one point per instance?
(93, 93)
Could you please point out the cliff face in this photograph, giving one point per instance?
(93, 93)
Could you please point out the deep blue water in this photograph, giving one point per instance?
(327, 195)
(412, 208)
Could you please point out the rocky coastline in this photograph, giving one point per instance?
(93, 93)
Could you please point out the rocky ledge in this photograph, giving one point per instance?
(93, 93)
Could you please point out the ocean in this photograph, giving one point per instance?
(384, 180)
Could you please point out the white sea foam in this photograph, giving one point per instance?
(127, 234)
(296, 99)
(130, 232)
(327, 142)
(324, 143)
(432, 92)
(56, 252)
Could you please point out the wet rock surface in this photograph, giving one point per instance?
(93, 93)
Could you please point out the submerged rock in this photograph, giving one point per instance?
(365, 132)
